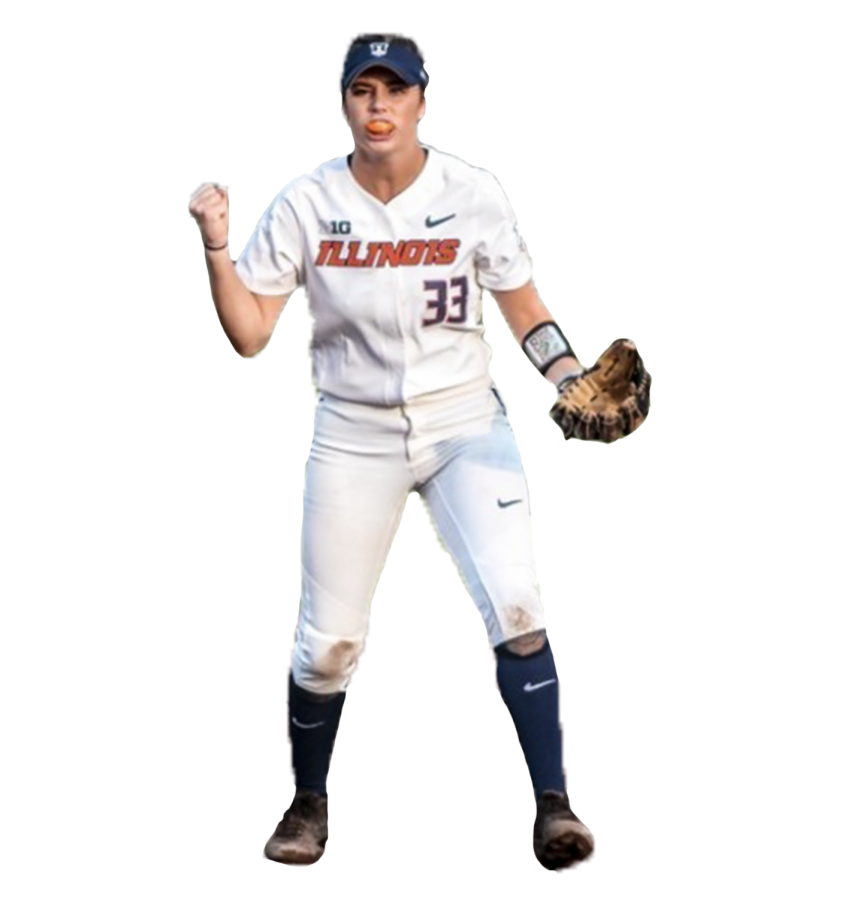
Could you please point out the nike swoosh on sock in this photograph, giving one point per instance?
(529, 687)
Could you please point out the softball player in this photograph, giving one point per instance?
(394, 245)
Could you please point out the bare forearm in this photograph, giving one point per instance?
(238, 309)
(567, 365)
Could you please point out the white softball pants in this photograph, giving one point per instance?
(457, 450)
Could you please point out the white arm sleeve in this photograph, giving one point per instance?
(272, 261)
(502, 260)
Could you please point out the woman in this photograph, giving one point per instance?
(394, 245)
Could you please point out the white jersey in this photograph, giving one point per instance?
(395, 289)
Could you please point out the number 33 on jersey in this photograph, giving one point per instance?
(395, 289)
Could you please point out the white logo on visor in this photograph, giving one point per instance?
(379, 49)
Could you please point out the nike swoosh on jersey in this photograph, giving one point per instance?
(503, 504)
(529, 687)
(431, 223)
(302, 725)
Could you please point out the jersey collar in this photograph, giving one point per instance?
(411, 198)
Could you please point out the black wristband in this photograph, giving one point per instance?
(545, 345)
(208, 246)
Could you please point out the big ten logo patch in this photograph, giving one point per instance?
(334, 226)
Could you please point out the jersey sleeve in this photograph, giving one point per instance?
(502, 260)
(272, 262)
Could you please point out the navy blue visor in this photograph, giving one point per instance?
(403, 62)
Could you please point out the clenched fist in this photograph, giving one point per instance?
(209, 207)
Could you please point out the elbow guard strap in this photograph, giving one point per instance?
(545, 344)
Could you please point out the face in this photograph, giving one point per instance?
(383, 112)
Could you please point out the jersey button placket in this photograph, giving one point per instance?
(393, 303)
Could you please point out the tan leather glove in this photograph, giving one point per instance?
(607, 401)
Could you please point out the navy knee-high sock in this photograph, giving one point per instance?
(529, 686)
(313, 723)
